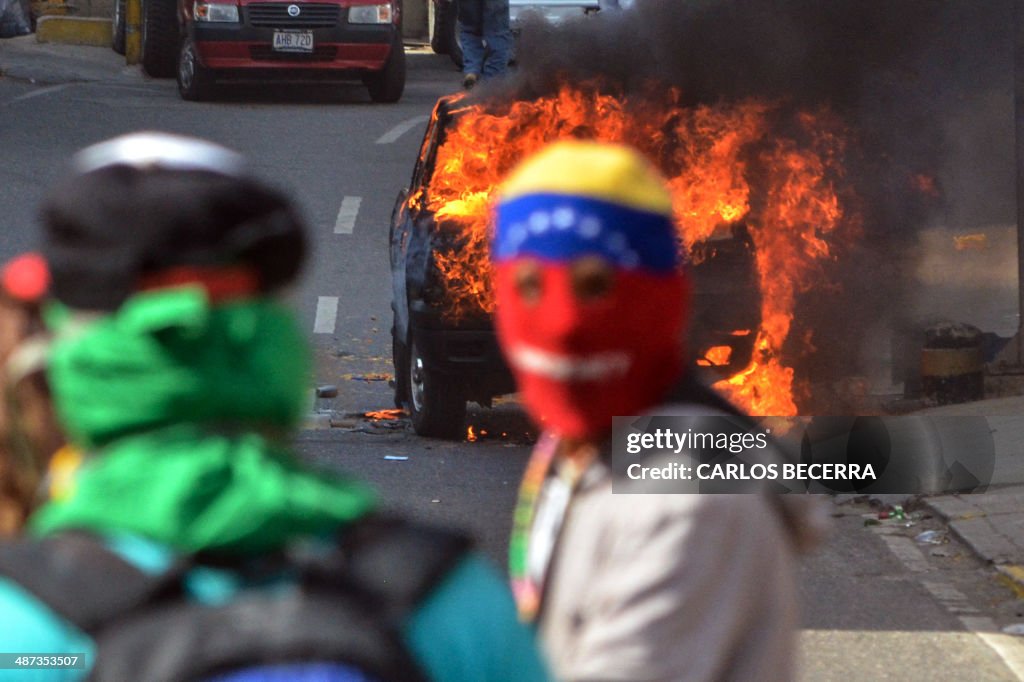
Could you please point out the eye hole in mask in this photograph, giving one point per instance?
(592, 279)
(529, 281)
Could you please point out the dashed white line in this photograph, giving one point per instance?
(401, 129)
(953, 599)
(347, 214)
(1007, 648)
(37, 93)
(907, 552)
(326, 315)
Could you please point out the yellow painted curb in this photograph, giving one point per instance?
(1013, 577)
(74, 31)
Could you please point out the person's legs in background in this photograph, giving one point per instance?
(471, 37)
(498, 35)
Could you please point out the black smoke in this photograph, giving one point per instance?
(897, 71)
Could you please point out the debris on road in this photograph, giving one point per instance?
(931, 537)
(367, 377)
(385, 415)
(396, 458)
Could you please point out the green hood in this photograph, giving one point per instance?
(168, 357)
(170, 396)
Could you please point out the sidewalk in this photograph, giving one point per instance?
(24, 59)
(992, 523)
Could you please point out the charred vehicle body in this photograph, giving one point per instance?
(442, 361)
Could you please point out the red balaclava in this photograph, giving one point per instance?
(592, 298)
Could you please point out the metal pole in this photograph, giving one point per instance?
(133, 31)
(1018, 114)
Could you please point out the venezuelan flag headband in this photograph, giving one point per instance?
(591, 293)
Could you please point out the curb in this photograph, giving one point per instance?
(91, 31)
(974, 527)
(1013, 576)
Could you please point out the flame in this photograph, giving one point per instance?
(976, 242)
(716, 356)
(384, 415)
(471, 436)
(754, 162)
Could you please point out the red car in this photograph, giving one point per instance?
(301, 39)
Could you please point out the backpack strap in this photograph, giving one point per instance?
(82, 580)
(398, 561)
(793, 510)
(348, 605)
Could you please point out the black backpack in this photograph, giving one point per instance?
(346, 606)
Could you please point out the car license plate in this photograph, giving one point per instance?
(293, 41)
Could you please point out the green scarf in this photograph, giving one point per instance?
(170, 394)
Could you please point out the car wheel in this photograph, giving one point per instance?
(388, 84)
(159, 37)
(437, 25)
(117, 39)
(437, 408)
(195, 82)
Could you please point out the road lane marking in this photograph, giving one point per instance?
(1009, 649)
(37, 93)
(346, 221)
(326, 315)
(951, 598)
(907, 552)
(402, 128)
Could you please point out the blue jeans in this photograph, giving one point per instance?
(485, 36)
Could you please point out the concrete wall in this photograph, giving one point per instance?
(414, 21)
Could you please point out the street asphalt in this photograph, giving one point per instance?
(991, 523)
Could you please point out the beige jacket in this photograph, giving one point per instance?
(670, 587)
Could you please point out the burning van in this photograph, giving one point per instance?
(444, 347)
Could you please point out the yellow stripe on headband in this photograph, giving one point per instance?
(610, 172)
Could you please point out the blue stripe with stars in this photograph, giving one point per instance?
(563, 227)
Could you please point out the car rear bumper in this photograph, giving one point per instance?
(343, 48)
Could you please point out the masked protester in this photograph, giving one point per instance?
(29, 435)
(592, 307)
(190, 543)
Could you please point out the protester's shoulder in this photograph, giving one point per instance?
(32, 626)
(467, 629)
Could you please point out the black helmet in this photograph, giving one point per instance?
(148, 202)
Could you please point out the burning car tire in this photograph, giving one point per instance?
(387, 85)
(195, 82)
(437, 408)
(159, 37)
